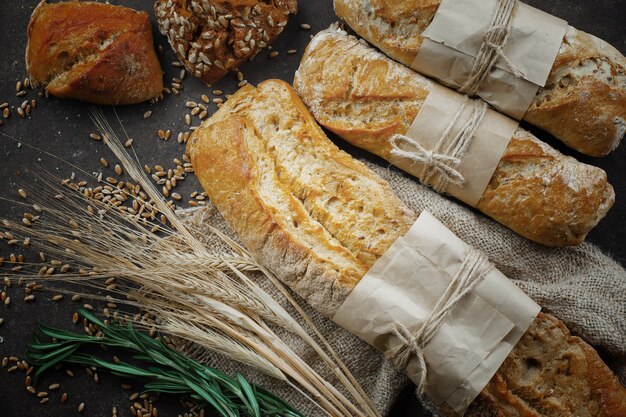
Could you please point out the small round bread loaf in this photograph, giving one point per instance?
(93, 52)
(213, 37)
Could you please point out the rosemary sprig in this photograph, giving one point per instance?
(168, 370)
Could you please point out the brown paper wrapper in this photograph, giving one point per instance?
(454, 37)
(484, 153)
(405, 285)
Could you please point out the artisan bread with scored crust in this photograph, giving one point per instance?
(319, 219)
(289, 192)
(366, 98)
(584, 100)
(94, 52)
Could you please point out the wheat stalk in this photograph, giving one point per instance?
(200, 296)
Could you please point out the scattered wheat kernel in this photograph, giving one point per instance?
(305, 26)
(147, 114)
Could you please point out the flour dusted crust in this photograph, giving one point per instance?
(583, 103)
(213, 37)
(318, 219)
(93, 52)
(366, 98)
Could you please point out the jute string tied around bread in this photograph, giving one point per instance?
(443, 162)
(473, 270)
(492, 48)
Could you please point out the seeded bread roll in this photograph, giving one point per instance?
(213, 37)
(93, 52)
(319, 219)
(584, 100)
(366, 98)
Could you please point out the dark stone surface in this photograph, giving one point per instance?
(61, 128)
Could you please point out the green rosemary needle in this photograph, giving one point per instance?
(167, 370)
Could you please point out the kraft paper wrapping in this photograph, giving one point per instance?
(484, 153)
(404, 286)
(454, 37)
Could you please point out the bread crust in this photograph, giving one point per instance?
(290, 215)
(583, 103)
(213, 37)
(365, 98)
(261, 191)
(93, 52)
(547, 366)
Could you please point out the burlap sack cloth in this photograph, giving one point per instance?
(581, 286)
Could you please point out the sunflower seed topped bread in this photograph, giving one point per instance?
(366, 98)
(319, 219)
(584, 100)
(93, 52)
(213, 37)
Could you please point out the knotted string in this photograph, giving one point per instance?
(473, 270)
(443, 160)
(492, 48)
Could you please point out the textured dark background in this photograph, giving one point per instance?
(62, 128)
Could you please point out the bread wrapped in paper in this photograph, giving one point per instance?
(319, 220)
(367, 98)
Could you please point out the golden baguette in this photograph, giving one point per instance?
(583, 103)
(366, 98)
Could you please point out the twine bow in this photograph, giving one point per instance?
(492, 48)
(443, 161)
(473, 270)
(442, 164)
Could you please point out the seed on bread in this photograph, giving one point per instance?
(212, 38)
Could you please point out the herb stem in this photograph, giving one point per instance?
(168, 371)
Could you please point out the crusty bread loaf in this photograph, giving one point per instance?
(93, 52)
(318, 219)
(288, 191)
(551, 373)
(366, 98)
(213, 37)
(583, 103)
